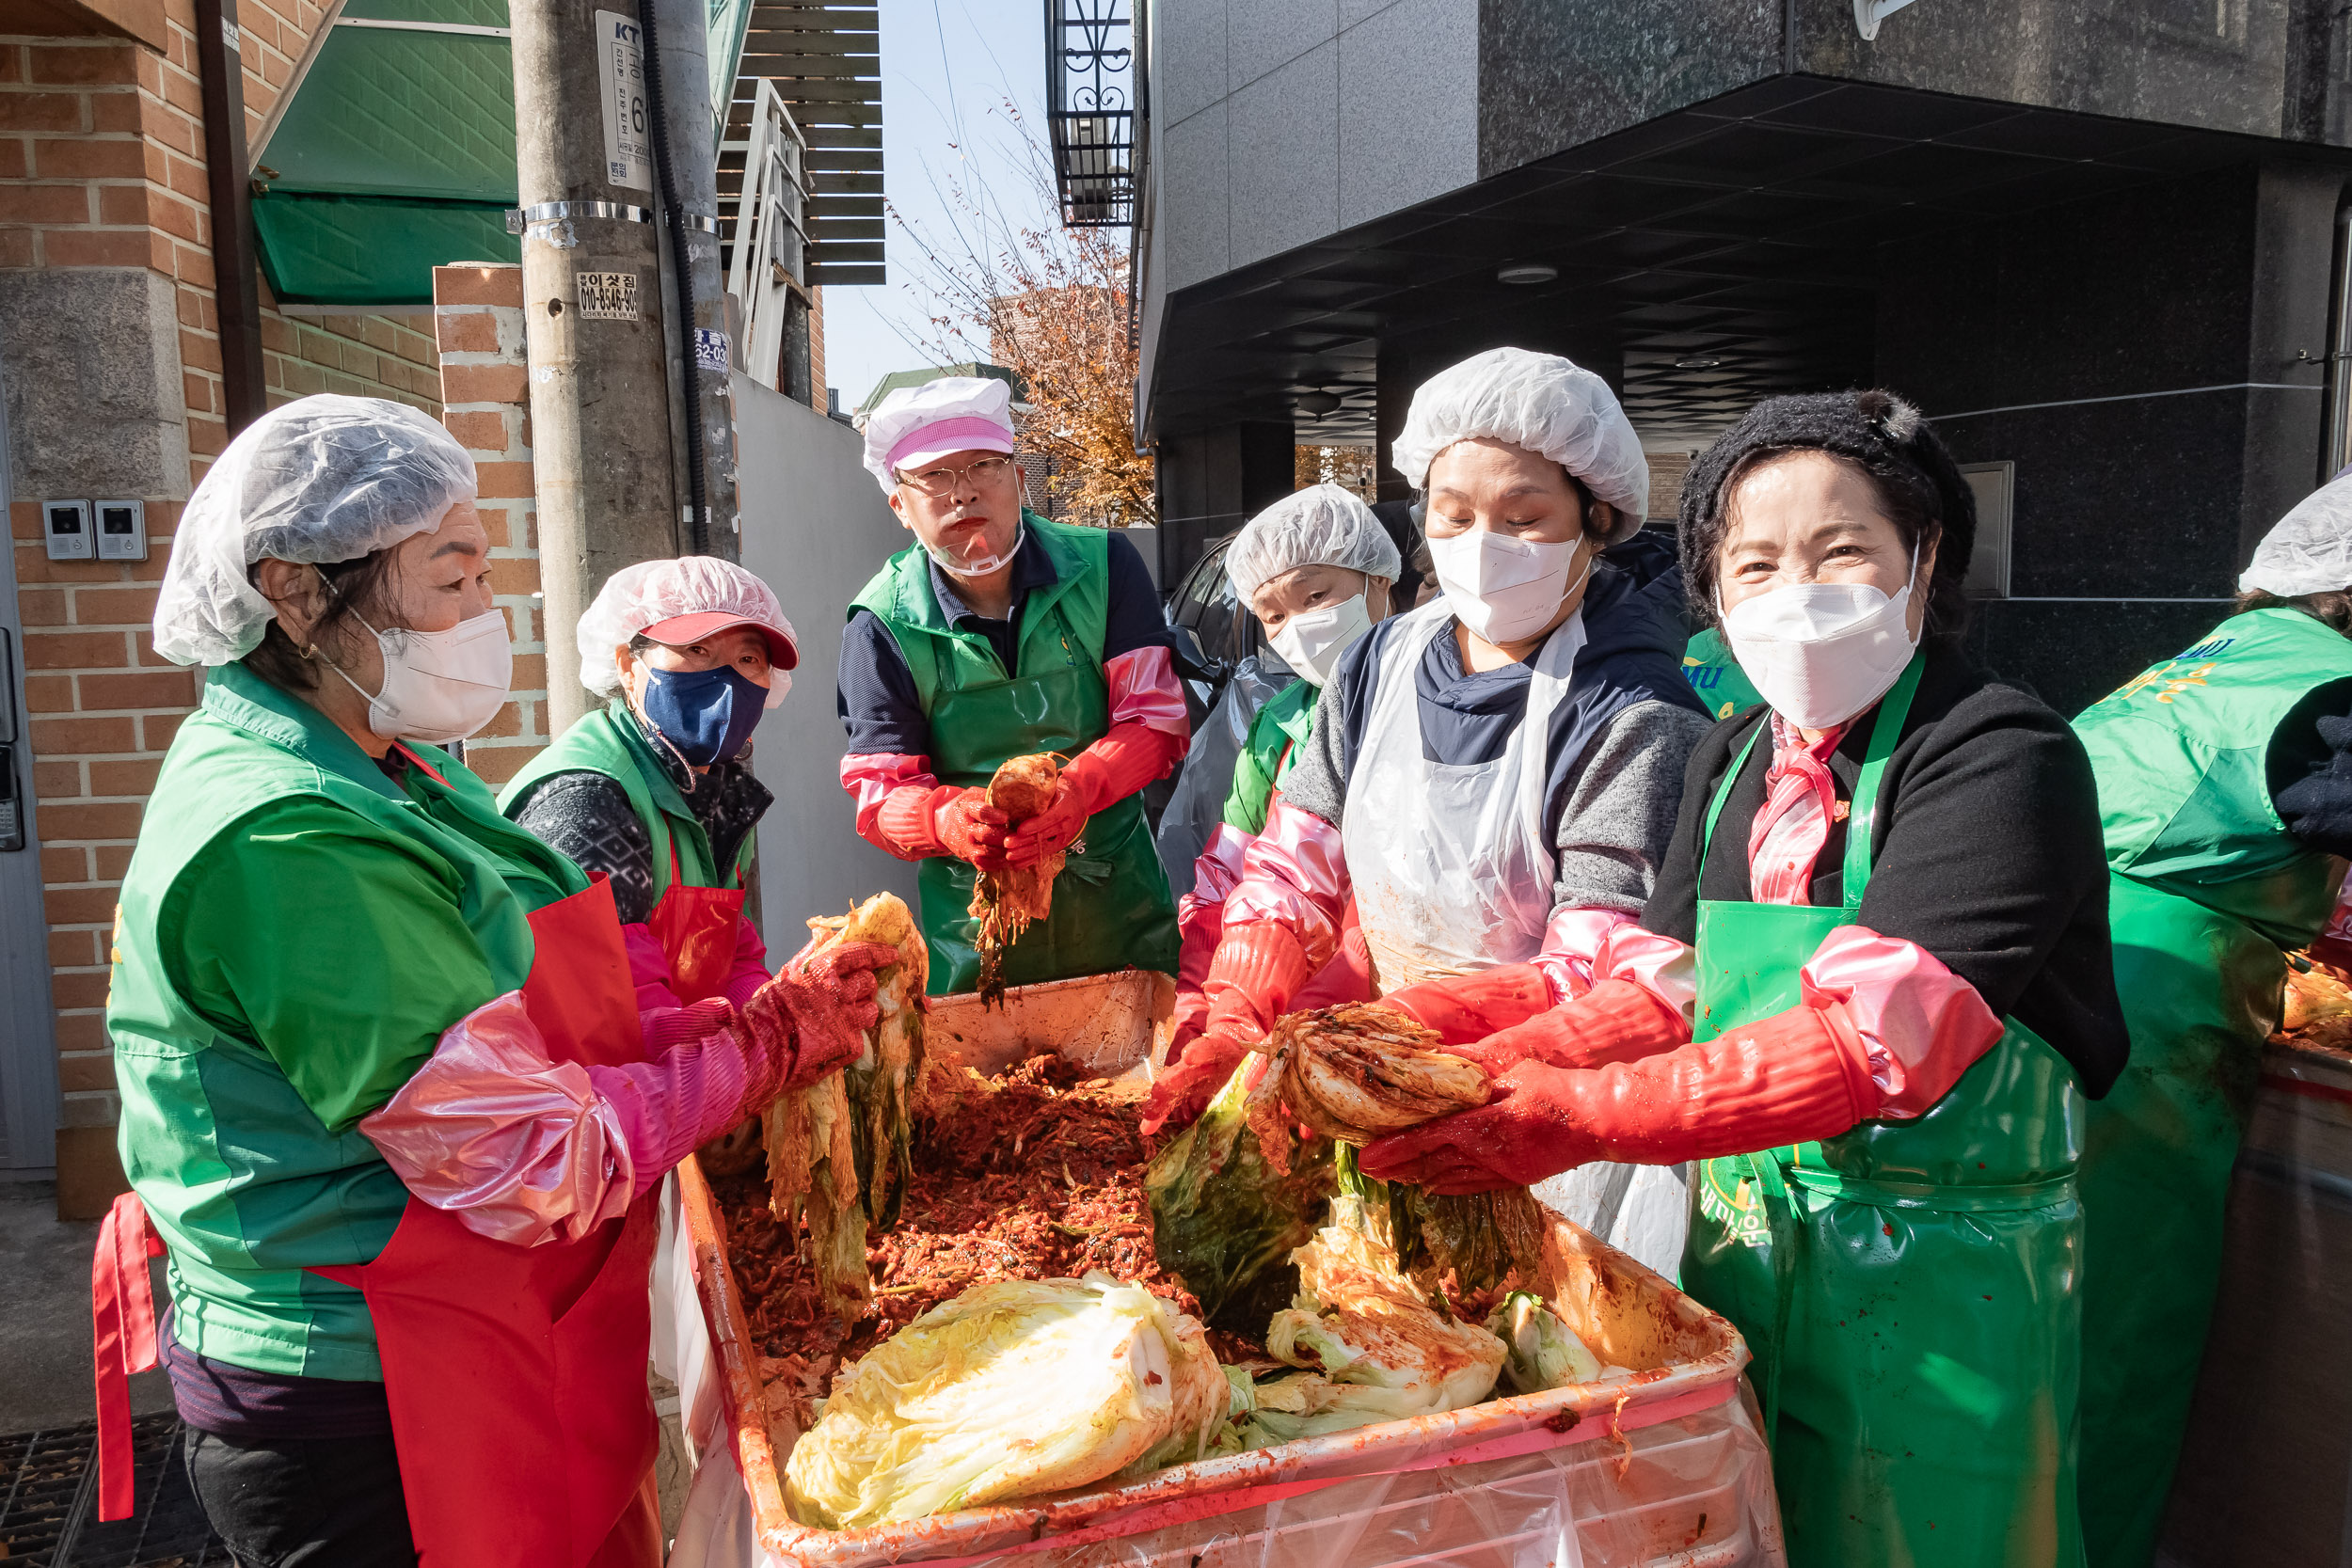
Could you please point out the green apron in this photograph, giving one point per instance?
(2208, 888)
(614, 744)
(1277, 730)
(1907, 1286)
(1716, 676)
(1111, 904)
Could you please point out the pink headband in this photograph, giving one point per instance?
(965, 433)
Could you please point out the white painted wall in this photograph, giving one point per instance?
(815, 528)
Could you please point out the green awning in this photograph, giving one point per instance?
(396, 153)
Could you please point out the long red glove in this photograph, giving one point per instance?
(812, 1017)
(1466, 1008)
(1615, 1021)
(1796, 1076)
(1128, 756)
(917, 822)
(1188, 1082)
(1259, 967)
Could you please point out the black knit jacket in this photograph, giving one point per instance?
(1988, 852)
(587, 817)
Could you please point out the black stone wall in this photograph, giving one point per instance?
(2135, 496)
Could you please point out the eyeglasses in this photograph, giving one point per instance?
(942, 480)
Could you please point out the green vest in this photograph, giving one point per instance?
(613, 743)
(1716, 676)
(2180, 751)
(1111, 904)
(1277, 730)
(247, 1186)
(1907, 1286)
(2207, 888)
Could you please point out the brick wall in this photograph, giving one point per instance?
(817, 347)
(485, 402)
(106, 297)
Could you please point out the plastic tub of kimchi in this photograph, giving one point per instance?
(1322, 1414)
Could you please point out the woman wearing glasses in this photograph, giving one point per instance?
(997, 635)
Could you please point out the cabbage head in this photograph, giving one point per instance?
(1011, 1389)
(1372, 1350)
(1541, 1351)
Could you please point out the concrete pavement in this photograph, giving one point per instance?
(45, 1316)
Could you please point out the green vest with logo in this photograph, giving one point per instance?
(1111, 905)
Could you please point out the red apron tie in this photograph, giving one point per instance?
(123, 1332)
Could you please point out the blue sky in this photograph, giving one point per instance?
(948, 68)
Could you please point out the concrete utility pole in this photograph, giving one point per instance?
(591, 296)
(702, 347)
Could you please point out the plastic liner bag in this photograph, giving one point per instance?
(2264, 1474)
(1640, 1209)
(1198, 804)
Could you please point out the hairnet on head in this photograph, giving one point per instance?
(1549, 405)
(709, 593)
(320, 479)
(1320, 526)
(2309, 551)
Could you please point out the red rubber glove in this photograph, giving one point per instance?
(1185, 1087)
(1465, 1008)
(916, 823)
(812, 1018)
(1127, 757)
(1796, 1076)
(1259, 967)
(1615, 1021)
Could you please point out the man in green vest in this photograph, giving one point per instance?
(2225, 783)
(995, 635)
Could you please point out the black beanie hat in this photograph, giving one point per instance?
(1889, 437)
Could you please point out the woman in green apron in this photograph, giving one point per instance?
(2225, 828)
(1870, 996)
(657, 790)
(998, 635)
(1315, 568)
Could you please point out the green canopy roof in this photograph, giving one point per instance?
(396, 153)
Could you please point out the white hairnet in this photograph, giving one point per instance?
(1543, 403)
(2309, 549)
(321, 479)
(1320, 526)
(651, 592)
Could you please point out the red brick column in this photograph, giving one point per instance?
(485, 402)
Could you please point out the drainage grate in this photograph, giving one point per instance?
(48, 1503)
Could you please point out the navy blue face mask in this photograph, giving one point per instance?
(707, 714)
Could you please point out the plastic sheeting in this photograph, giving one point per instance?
(2265, 1471)
(1199, 803)
(1660, 1476)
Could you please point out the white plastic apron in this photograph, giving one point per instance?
(1452, 865)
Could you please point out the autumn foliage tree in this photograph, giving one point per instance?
(1051, 304)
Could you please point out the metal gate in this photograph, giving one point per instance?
(28, 1041)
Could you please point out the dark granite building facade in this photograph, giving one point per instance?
(2101, 241)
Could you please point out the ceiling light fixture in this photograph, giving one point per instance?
(1317, 404)
(1526, 273)
(1697, 362)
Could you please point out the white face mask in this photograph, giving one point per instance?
(1822, 651)
(1501, 588)
(1311, 641)
(439, 686)
(975, 568)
